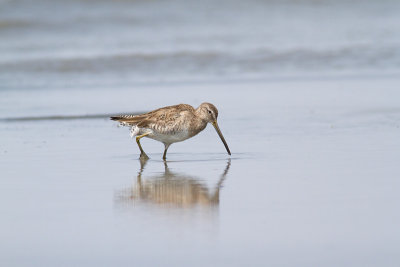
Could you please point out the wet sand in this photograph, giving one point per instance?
(312, 180)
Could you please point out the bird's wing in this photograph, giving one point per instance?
(164, 120)
(167, 120)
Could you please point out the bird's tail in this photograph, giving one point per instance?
(126, 120)
(122, 117)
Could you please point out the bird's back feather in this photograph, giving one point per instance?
(163, 120)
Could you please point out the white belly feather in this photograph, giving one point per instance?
(170, 138)
(177, 136)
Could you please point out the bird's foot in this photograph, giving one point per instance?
(143, 156)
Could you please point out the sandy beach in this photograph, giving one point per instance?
(313, 175)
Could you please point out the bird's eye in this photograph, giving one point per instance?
(209, 112)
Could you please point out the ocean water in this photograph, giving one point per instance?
(53, 44)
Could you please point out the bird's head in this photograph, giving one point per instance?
(209, 113)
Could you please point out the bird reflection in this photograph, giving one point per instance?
(173, 189)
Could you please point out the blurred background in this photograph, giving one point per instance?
(95, 43)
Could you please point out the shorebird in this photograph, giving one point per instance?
(171, 124)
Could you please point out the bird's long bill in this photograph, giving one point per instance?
(215, 124)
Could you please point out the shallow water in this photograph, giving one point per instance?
(312, 181)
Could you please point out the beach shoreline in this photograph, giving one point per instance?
(314, 165)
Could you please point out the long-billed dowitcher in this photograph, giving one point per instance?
(171, 124)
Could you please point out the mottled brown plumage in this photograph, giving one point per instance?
(171, 124)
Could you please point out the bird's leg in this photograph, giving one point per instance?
(142, 153)
(165, 151)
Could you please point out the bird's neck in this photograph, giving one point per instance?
(198, 124)
(199, 114)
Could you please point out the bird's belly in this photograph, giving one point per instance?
(170, 138)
